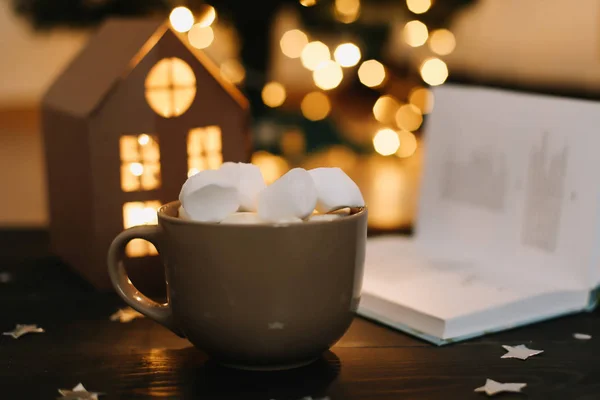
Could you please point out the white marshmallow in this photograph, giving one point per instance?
(324, 217)
(182, 214)
(292, 195)
(335, 190)
(249, 182)
(242, 218)
(209, 196)
(287, 221)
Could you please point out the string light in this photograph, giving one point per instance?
(434, 71)
(208, 16)
(273, 94)
(181, 19)
(415, 33)
(201, 37)
(409, 117)
(293, 42)
(328, 75)
(442, 42)
(418, 6)
(314, 54)
(422, 98)
(315, 106)
(408, 144)
(386, 142)
(347, 54)
(233, 71)
(371, 73)
(385, 109)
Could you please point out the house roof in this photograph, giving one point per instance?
(109, 55)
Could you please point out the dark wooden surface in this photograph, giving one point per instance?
(140, 359)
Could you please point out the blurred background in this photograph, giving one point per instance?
(342, 83)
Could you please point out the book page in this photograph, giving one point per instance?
(509, 181)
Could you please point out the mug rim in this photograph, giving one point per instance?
(176, 203)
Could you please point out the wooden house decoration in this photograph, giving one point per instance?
(134, 114)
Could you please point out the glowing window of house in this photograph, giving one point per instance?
(170, 87)
(140, 162)
(140, 213)
(204, 149)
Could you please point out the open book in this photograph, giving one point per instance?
(508, 226)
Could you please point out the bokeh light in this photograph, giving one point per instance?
(347, 54)
(271, 166)
(273, 94)
(442, 42)
(136, 168)
(201, 37)
(308, 3)
(208, 16)
(315, 106)
(422, 98)
(418, 6)
(328, 75)
(293, 143)
(415, 33)
(409, 117)
(385, 109)
(314, 54)
(371, 73)
(408, 144)
(386, 142)
(181, 19)
(434, 71)
(347, 11)
(233, 71)
(293, 42)
(143, 139)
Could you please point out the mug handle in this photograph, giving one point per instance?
(161, 313)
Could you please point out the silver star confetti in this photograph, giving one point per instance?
(78, 393)
(582, 336)
(126, 314)
(521, 352)
(21, 330)
(492, 387)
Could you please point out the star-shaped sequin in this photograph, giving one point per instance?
(492, 387)
(126, 314)
(21, 330)
(521, 352)
(78, 393)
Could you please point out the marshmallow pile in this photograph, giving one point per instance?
(236, 193)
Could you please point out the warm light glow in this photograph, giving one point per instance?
(181, 19)
(422, 98)
(170, 87)
(442, 42)
(140, 213)
(315, 106)
(308, 3)
(409, 117)
(371, 73)
(233, 71)
(201, 37)
(347, 54)
(208, 17)
(418, 6)
(386, 142)
(143, 139)
(314, 54)
(385, 109)
(347, 7)
(204, 149)
(434, 71)
(136, 168)
(408, 144)
(272, 167)
(293, 143)
(273, 94)
(293, 42)
(415, 33)
(328, 75)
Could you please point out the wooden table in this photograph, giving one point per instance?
(140, 359)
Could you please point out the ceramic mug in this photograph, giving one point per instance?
(252, 296)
